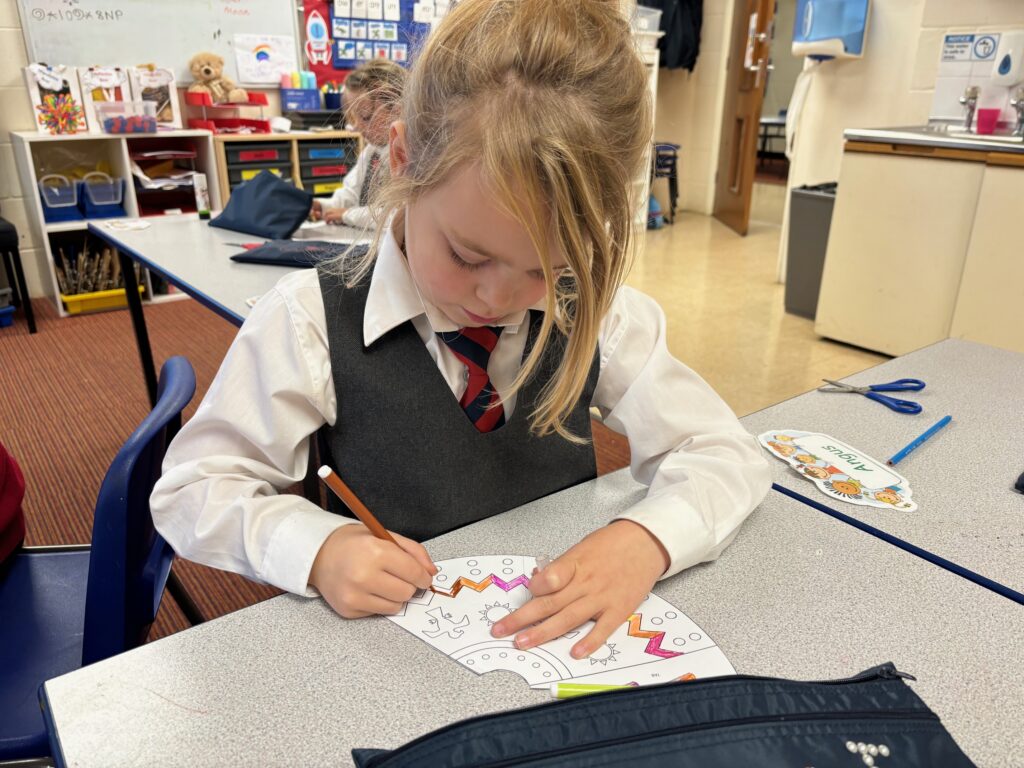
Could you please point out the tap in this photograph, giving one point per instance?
(1017, 102)
(970, 100)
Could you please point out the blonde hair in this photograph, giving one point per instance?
(550, 99)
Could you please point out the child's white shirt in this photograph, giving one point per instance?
(347, 195)
(217, 502)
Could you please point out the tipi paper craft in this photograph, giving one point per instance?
(658, 643)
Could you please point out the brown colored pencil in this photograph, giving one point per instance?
(352, 501)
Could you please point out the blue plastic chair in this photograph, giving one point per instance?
(65, 607)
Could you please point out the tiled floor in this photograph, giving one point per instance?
(725, 313)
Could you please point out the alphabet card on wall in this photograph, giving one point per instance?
(658, 642)
(838, 470)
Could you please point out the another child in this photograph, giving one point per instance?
(372, 94)
(452, 371)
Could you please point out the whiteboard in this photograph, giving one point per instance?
(84, 33)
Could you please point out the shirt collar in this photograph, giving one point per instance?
(393, 298)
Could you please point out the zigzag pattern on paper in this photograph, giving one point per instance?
(654, 645)
(481, 585)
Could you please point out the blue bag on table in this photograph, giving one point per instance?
(265, 206)
(873, 719)
(297, 253)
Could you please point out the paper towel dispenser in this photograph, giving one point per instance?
(830, 29)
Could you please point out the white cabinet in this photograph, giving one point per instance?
(897, 246)
(37, 155)
(643, 184)
(990, 305)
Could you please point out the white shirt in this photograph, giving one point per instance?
(347, 195)
(217, 502)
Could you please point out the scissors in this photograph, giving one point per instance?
(871, 392)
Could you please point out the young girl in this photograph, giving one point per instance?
(372, 91)
(452, 371)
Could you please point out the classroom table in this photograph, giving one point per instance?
(962, 478)
(194, 257)
(797, 594)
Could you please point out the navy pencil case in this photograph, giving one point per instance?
(872, 719)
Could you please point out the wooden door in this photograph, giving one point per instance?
(746, 76)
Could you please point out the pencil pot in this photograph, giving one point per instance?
(332, 101)
(100, 196)
(59, 196)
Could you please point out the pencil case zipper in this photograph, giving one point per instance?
(882, 672)
(901, 715)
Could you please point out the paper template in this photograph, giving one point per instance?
(657, 644)
(840, 471)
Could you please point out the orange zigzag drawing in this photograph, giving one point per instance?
(654, 645)
(481, 585)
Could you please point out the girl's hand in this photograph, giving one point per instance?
(359, 574)
(317, 211)
(334, 215)
(604, 577)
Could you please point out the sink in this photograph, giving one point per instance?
(1005, 138)
(940, 134)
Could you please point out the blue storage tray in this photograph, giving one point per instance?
(6, 317)
(89, 194)
(59, 200)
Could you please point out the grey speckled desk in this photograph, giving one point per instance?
(962, 478)
(797, 594)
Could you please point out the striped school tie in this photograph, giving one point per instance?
(473, 347)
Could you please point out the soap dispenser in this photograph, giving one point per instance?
(1009, 65)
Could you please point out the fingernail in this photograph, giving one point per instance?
(498, 630)
(579, 652)
(523, 642)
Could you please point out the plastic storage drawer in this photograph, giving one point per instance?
(338, 151)
(6, 317)
(318, 169)
(261, 152)
(241, 173)
(322, 187)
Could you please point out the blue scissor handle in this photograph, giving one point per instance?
(901, 406)
(900, 385)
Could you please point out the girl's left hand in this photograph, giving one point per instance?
(334, 215)
(581, 585)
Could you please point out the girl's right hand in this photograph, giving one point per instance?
(317, 211)
(360, 575)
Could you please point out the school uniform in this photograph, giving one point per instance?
(216, 502)
(354, 193)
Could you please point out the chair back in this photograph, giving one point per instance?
(130, 561)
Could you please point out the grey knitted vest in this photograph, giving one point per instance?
(404, 445)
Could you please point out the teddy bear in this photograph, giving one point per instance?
(207, 69)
